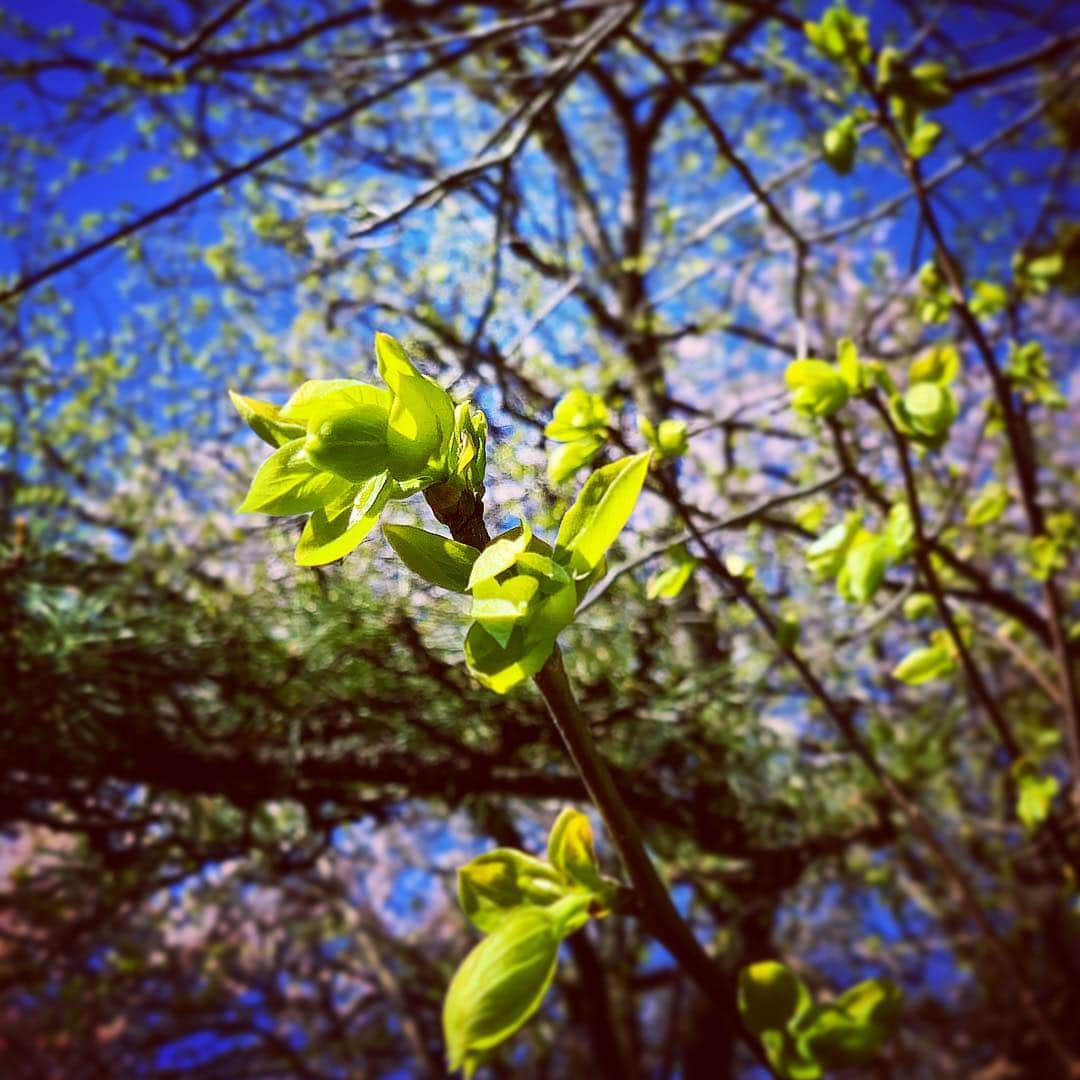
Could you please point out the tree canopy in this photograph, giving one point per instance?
(820, 265)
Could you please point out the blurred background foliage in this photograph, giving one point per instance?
(233, 791)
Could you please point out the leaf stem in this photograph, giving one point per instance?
(655, 903)
(652, 899)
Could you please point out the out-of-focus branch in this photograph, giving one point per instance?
(1017, 428)
(308, 132)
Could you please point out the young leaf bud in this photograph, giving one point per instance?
(770, 996)
(350, 442)
(421, 416)
(572, 851)
(499, 985)
(494, 885)
(817, 388)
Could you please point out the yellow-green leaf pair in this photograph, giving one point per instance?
(343, 448)
(857, 557)
(493, 885)
(1028, 369)
(933, 661)
(840, 36)
(579, 422)
(666, 584)
(926, 411)
(839, 144)
(669, 438)
(803, 1039)
(821, 389)
(1035, 792)
(524, 592)
(522, 598)
(526, 906)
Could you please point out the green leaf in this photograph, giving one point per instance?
(556, 600)
(932, 84)
(873, 1001)
(853, 1030)
(1048, 265)
(934, 303)
(1035, 272)
(875, 373)
(926, 403)
(925, 86)
(864, 568)
(1034, 794)
(571, 456)
(835, 1041)
(265, 420)
(839, 144)
(494, 885)
(602, 509)
(847, 361)
(923, 664)
(421, 417)
(1027, 363)
(941, 364)
(840, 36)
(669, 438)
(501, 554)
(924, 138)
(349, 440)
(672, 439)
(578, 414)
(787, 630)
(1047, 556)
(770, 996)
(671, 581)
(572, 850)
(500, 984)
(925, 413)
(437, 559)
(316, 394)
(287, 483)
(826, 555)
(539, 595)
(890, 65)
(788, 1058)
(467, 457)
(737, 566)
(500, 667)
(899, 533)
(500, 605)
(817, 388)
(1029, 368)
(919, 606)
(988, 299)
(335, 530)
(988, 505)
(812, 513)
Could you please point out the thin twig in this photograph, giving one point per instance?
(737, 521)
(305, 134)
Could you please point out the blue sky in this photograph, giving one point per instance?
(105, 284)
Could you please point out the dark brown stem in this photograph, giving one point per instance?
(1017, 429)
